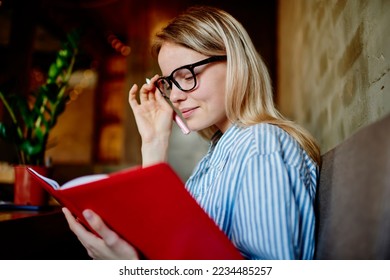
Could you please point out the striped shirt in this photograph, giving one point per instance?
(259, 186)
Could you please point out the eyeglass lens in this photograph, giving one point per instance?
(184, 78)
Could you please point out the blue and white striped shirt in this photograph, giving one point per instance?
(259, 186)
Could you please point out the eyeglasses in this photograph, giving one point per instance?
(183, 77)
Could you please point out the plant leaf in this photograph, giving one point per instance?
(33, 117)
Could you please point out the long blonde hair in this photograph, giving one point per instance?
(249, 94)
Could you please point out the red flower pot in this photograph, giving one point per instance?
(26, 190)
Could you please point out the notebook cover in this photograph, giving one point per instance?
(151, 209)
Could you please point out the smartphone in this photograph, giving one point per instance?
(177, 116)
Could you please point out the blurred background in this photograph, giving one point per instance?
(329, 62)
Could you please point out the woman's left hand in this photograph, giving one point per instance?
(109, 246)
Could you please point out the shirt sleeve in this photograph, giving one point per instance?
(274, 215)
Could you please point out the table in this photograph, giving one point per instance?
(38, 235)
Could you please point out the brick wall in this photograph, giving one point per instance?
(333, 65)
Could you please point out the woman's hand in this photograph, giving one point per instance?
(154, 118)
(109, 246)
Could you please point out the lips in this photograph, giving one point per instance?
(187, 112)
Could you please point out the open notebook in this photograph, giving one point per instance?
(150, 208)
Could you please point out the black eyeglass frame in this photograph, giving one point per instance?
(190, 67)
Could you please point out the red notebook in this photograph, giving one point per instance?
(151, 209)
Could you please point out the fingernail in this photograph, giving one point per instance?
(87, 214)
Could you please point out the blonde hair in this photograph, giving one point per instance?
(249, 94)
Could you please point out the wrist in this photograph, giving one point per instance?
(154, 152)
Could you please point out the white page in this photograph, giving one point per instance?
(51, 182)
(73, 182)
(83, 179)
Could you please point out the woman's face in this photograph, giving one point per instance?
(203, 106)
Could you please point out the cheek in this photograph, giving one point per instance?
(215, 104)
(211, 87)
(218, 94)
(212, 96)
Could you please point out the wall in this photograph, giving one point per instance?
(70, 139)
(333, 65)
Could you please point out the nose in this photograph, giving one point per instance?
(177, 94)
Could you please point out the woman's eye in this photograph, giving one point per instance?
(189, 78)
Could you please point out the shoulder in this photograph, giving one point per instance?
(265, 140)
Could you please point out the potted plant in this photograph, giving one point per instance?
(33, 117)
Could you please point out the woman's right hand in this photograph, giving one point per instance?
(154, 118)
(108, 246)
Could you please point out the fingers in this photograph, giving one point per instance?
(85, 237)
(147, 92)
(114, 246)
(74, 225)
(109, 237)
(109, 246)
(94, 245)
(133, 96)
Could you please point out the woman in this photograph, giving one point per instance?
(258, 179)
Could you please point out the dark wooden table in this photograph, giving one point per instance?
(38, 235)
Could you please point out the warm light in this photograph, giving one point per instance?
(88, 74)
(73, 95)
(118, 45)
(80, 82)
(125, 50)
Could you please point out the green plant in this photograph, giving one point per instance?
(33, 117)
